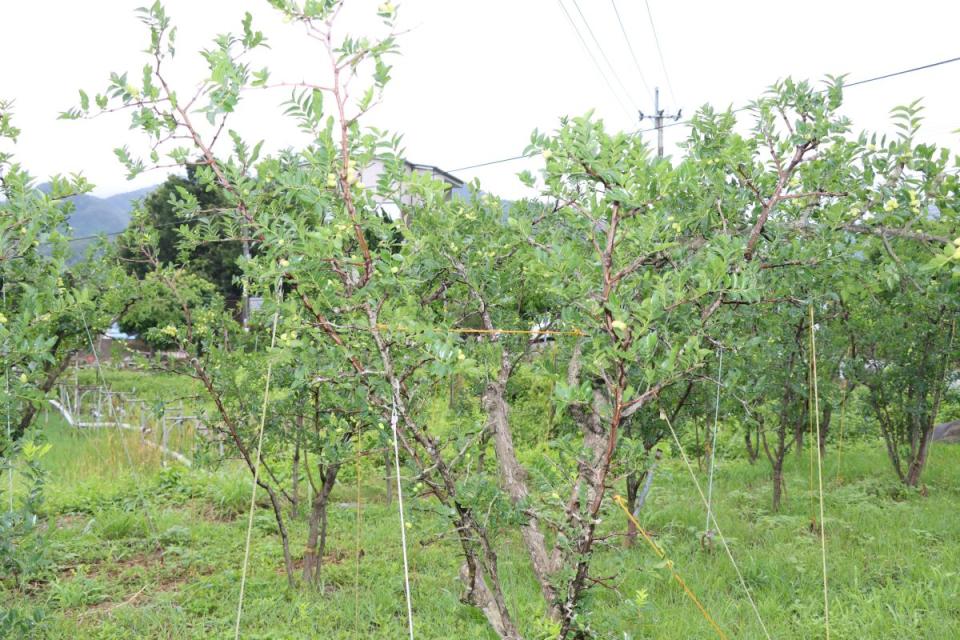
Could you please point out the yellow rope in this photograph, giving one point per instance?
(256, 474)
(823, 535)
(716, 525)
(7, 401)
(669, 563)
(544, 332)
(810, 411)
(356, 602)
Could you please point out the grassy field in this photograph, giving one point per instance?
(144, 551)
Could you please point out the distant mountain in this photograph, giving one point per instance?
(92, 215)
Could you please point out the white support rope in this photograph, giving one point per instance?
(103, 381)
(71, 420)
(7, 402)
(116, 421)
(816, 445)
(403, 524)
(716, 526)
(713, 447)
(256, 467)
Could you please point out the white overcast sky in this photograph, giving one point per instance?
(475, 78)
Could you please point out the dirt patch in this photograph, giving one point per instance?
(71, 520)
(164, 582)
(336, 556)
(211, 513)
(96, 611)
(116, 568)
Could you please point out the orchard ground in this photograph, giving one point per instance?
(145, 551)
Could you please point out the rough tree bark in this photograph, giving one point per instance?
(317, 525)
(52, 371)
(513, 478)
(479, 573)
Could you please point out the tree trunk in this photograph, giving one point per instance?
(513, 479)
(480, 560)
(295, 472)
(826, 414)
(633, 488)
(317, 526)
(799, 431)
(53, 370)
(752, 451)
(777, 484)
(388, 477)
(919, 461)
(231, 425)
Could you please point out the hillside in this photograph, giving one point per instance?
(94, 215)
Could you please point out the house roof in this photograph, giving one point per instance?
(449, 177)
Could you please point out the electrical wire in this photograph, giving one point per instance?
(596, 62)
(903, 72)
(603, 53)
(663, 65)
(491, 162)
(633, 54)
(679, 123)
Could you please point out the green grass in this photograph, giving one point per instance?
(150, 386)
(148, 552)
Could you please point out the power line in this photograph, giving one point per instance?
(678, 123)
(858, 83)
(486, 164)
(739, 109)
(663, 65)
(596, 63)
(633, 54)
(177, 223)
(111, 234)
(903, 73)
(603, 53)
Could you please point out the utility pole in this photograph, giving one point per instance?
(657, 117)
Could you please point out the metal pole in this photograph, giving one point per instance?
(658, 117)
(658, 121)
